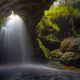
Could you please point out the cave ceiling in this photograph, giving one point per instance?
(23, 6)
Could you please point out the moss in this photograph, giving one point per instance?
(61, 11)
(70, 44)
(71, 58)
(51, 38)
(76, 12)
(47, 30)
(55, 12)
(56, 53)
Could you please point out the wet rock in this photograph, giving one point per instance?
(55, 54)
(70, 44)
(71, 58)
(71, 51)
(37, 73)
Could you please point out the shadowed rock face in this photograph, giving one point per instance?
(31, 10)
(24, 7)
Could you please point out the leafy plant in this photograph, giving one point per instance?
(43, 48)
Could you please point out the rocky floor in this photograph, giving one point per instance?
(36, 72)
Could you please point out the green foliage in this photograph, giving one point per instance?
(69, 11)
(55, 53)
(72, 9)
(47, 28)
(61, 11)
(76, 12)
(55, 12)
(51, 38)
(43, 48)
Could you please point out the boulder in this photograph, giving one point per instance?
(71, 51)
(55, 54)
(71, 58)
(70, 45)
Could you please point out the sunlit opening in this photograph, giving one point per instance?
(12, 16)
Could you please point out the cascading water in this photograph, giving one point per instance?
(14, 40)
(15, 47)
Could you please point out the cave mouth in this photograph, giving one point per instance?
(15, 42)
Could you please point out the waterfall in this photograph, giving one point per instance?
(14, 40)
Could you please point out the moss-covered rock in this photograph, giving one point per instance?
(71, 58)
(71, 51)
(70, 44)
(55, 54)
